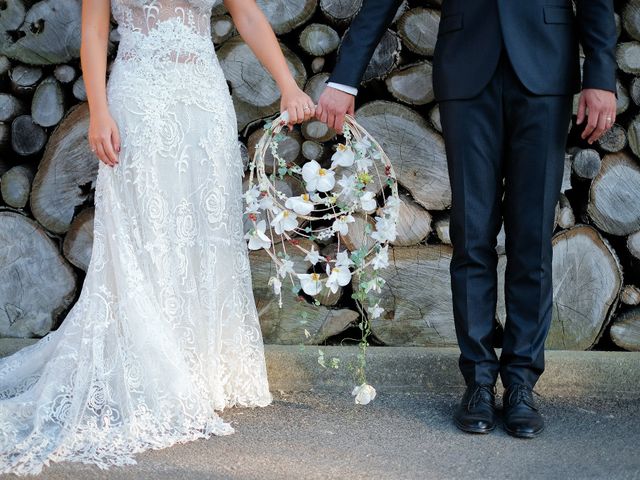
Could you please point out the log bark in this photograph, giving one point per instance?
(434, 117)
(613, 140)
(287, 325)
(79, 90)
(317, 131)
(317, 64)
(319, 40)
(24, 79)
(634, 90)
(358, 237)
(633, 244)
(415, 150)
(50, 34)
(442, 230)
(78, 242)
(340, 11)
(222, 28)
(255, 93)
(631, 19)
(38, 284)
(412, 84)
(587, 279)
(48, 105)
(67, 173)
(625, 331)
(5, 137)
(414, 224)
(628, 57)
(416, 298)
(16, 186)
(418, 29)
(65, 74)
(634, 135)
(286, 15)
(622, 98)
(11, 107)
(313, 150)
(614, 196)
(630, 295)
(27, 137)
(289, 148)
(385, 57)
(564, 213)
(586, 163)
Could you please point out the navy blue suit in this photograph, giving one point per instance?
(504, 72)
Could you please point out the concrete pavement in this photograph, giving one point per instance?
(324, 435)
(313, 430)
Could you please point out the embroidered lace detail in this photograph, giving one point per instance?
(165, 331)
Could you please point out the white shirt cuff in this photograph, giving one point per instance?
(344, 88)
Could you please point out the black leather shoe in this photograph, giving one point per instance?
(521, 416)
(477, 410)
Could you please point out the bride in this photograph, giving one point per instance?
(165, 331)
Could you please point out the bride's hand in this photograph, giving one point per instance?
(104, 137)
(298, 104)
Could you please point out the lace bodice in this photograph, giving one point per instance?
(159, 30)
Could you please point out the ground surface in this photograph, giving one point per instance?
(324, 435)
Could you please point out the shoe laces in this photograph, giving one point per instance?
(476, 397)
(521, 394)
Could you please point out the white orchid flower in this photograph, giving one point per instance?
(313, 256)
(343, 260)
(252, 194)
(266, 203)
(301, 204)
(339, 276)
(348, 184)
(285, 268)
(364, 394)
(276, 284)
(363, 163)
(341, 224)
(317, 178)
(376, 311)
(385, 230)
(363, 145)
(392, 206)
(284, 221)
(343, 157)
(368, 202)
(257, 238)
(374, 285)
(381, 260)
(311, 283)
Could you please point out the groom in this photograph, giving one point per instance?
(504, 72)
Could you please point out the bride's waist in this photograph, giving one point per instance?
(157, 47)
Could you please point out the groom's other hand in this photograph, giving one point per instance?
(333, 105)
(599, 108)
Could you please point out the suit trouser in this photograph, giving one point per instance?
(505, 152)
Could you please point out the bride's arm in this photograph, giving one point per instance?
(256, 31)
(103, 132)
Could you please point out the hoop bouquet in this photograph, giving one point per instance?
(330, 207)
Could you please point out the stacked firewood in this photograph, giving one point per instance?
(48, 175)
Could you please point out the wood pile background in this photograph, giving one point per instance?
(48, 174)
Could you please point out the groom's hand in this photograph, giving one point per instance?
(333, 105)
(599, 106)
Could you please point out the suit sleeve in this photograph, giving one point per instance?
(598, 37)
(361, 40)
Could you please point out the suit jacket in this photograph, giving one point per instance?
(541, 38)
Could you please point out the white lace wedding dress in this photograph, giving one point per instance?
(165, 330)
